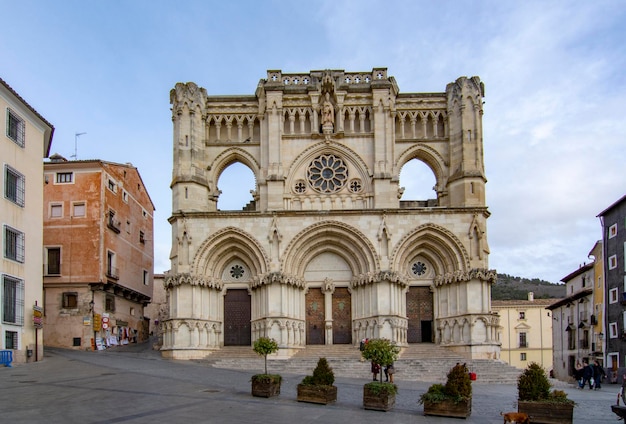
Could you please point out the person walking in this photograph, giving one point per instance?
(375, 370)
(578, 374)
(598, 375)
(390, 370)
(587, 375)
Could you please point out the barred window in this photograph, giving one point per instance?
(12, 300)
(70, 300)
(13, 244)
(15, 128)
(10, 340)
(14, 185)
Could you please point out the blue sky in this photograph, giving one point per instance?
(554, 126)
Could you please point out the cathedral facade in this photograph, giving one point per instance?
(326, 252)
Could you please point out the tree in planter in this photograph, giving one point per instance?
(382, 352)
(265, 385)
(318, 388)
(536, 398)
(454, 399)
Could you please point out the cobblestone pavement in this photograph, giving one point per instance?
(135, 385)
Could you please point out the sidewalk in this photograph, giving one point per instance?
(135, 385)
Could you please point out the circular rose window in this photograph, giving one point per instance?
(327, 174)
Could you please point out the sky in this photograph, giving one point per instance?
(554, 73)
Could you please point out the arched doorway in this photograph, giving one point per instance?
(419, 310)
(237, 316)
(315, 312)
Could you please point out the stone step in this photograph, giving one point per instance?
(420, 362)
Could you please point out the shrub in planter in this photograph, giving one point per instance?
(535, 397)
(318, 388)
(378, 395)
(265, 385)
(454, 399)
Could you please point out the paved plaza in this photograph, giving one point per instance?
(135, 385)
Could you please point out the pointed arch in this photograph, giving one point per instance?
(440, 246)
(331, 236)
(224, 246)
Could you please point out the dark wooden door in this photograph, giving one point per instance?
(419, 308)
(342, 316)
(237, 315)
(315, 317)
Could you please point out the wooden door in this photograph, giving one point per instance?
(237, 315)
(315, 317)
(342, 316)
(419, 310)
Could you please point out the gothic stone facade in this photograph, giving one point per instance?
(327, 253)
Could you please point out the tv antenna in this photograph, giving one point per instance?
(75, 155)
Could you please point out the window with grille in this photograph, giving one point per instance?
(70, 300)
(14, 185)
(109, 303)
(13, 244)
(12, 300)
(65, 177)
(54, 261)
(10, 340)
(15, 128)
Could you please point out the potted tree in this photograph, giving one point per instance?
(454, 399)
(318, 388)
(265, 385)
(377, 395)
(536, 399)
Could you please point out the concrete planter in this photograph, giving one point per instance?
(265, 386)
(448, 408)
(548, 413)
(381, 401)
(317, 394)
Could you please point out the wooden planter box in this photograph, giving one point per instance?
(383, 401)
(547, 413)
(317, 394)
(266, 387)
(448, 408)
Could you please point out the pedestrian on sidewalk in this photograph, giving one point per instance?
(390, 370)
(598, 375)
(375, 370)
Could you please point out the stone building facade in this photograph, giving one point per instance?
(326, 252)
(98, 250)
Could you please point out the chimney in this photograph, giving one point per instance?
(531, 296)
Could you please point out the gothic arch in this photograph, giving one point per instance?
(431, 157)
(347, 154)
(330, 236)
(223, 246)
(230, 156)
(436, 243)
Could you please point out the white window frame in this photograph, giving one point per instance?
(613, 330)
(146, 277)
(64, 178)
(76, 205)
(56, 207)
(523, 356)
(16, 128)
(612, 231)
(112, 185)
(13, 292)
(14, 192)
(125, 196)
(612, 261)
(613, 295)
(16, 241)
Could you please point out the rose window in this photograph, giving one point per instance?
(236, 271)
(419, 268)
(327, 174)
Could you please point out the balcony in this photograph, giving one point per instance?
(584, 344)
(523, 344)
(52, 270)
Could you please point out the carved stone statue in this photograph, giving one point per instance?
(328, 112)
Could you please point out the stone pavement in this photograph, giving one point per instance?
(133, 384)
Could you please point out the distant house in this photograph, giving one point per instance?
(98, 253)
(525, 331)
(613, 220)
(573, 330)
(25, 139)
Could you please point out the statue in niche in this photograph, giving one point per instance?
(328, 112)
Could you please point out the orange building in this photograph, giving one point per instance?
(98, 254)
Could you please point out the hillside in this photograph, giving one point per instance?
(508, 287)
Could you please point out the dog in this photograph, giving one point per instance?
(515, 417)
